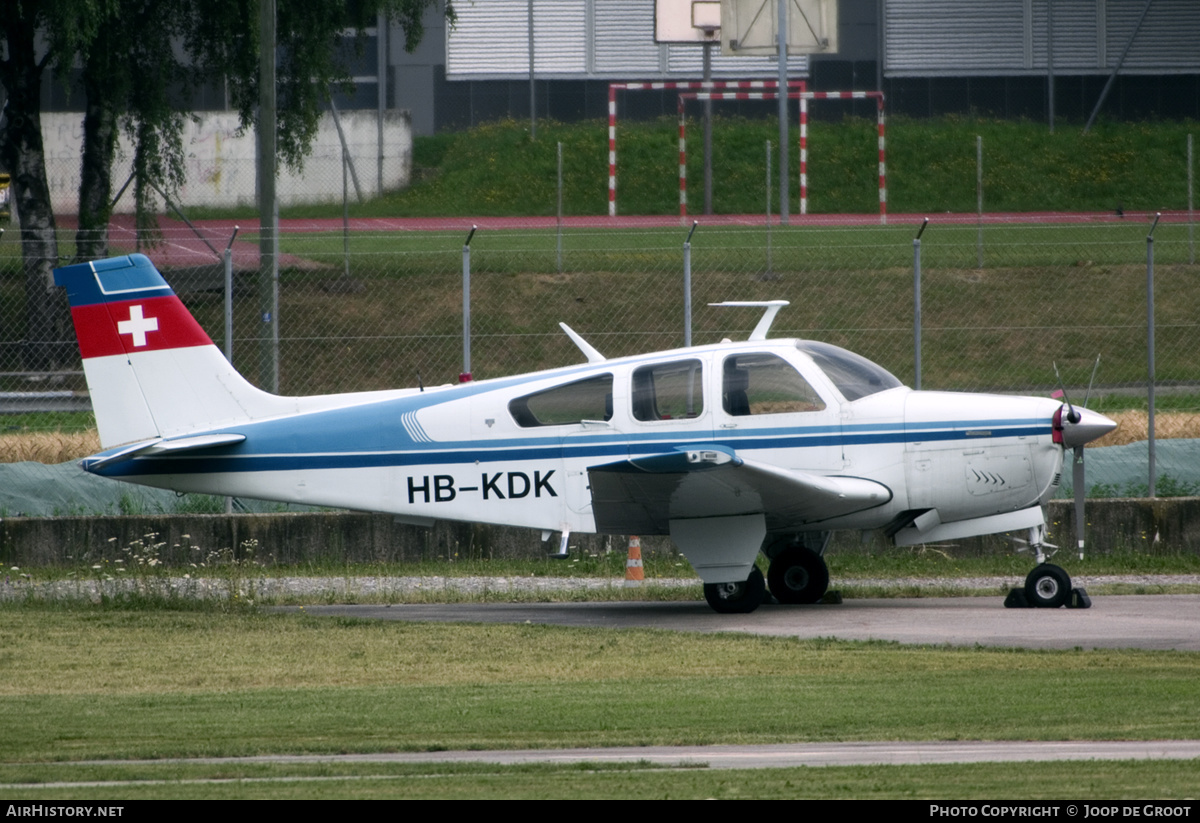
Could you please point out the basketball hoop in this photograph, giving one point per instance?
(687, 21)
(706, 16)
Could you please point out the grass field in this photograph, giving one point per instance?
(1045, 295)
(931, 166)
(102, 684)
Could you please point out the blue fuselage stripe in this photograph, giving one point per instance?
(241, 458)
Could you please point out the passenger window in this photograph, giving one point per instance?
(589, 399)
(765, 384)
(668, 391)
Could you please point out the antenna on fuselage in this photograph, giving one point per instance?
(589, 351)
(764, 325)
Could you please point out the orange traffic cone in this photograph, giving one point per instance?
(633, 566)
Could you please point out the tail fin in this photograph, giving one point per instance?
(151, 370)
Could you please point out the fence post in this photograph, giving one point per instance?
(979, 200)
(770, 266)
(1191, 211)
(228, 261)
(345, 214)
(466, 290)
(560, 207)
(687, 286)
(917, 303)
(1152, 490)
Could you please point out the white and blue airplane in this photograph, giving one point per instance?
(735, 448)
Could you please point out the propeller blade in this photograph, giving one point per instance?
(1077, 483)
(1095, 367)
(1072, 414)
(1076, 428)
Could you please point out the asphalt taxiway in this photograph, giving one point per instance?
(1113, 621)
(775, 755)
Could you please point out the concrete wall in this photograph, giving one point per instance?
(337, 537)
(221, 161)
(1153, 526)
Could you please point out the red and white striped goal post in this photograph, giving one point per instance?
(803, 97)
(697, 85)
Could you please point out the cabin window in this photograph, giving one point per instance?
(575, 402)
(668, 391)
(854, 375)
(764, 383)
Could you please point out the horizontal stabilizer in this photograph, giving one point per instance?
(161, 446)
(97, 461)
(199, 441)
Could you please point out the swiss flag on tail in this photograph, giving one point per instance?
(124, 306)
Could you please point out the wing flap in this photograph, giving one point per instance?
(642, 495)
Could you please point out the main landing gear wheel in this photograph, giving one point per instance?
(798, 575)
(736, 598)
(1048, 586)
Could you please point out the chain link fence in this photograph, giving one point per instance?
(373, 307)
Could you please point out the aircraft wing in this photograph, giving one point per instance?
(643, 495)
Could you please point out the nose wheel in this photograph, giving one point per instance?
(1048, 586)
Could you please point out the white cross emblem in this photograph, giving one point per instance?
(137, 325)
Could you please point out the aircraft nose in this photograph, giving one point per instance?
(1091, 426)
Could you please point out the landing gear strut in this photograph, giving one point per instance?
(1048, 586)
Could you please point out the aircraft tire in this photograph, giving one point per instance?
(1048, 586)
(798, 575)
(737, 598)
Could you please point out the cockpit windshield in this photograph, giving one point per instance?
(853, 375)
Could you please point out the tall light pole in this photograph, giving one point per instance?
(268, 211)
(781, 38)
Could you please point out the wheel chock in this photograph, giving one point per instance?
(1016, 599)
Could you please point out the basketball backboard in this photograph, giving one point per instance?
(749, 27)
(687, 21)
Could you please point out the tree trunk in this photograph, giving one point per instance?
(101, 85)
(47, 317)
